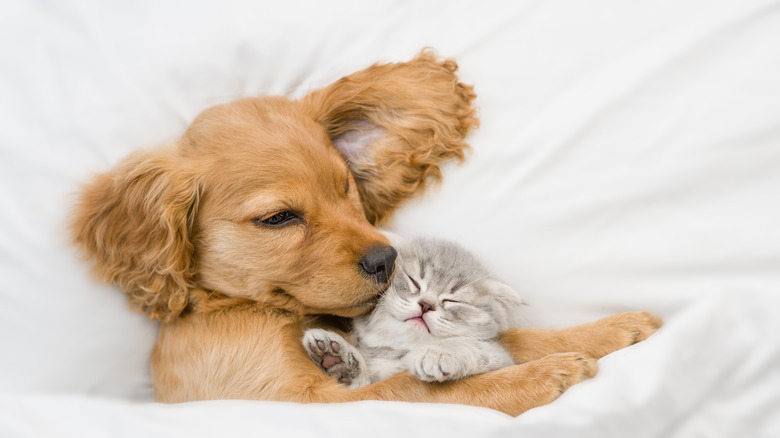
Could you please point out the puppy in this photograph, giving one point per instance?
(262, 214)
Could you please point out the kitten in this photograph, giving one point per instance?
(439, 319)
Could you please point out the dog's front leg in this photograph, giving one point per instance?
(596, 339)
(512, 390)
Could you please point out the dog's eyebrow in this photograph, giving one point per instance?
(259, 204)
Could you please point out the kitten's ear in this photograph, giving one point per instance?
(395, 124)
(507, 304)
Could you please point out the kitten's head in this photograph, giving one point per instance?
(441, 290)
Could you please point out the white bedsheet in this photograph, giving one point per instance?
(628, 158)
(711, 372)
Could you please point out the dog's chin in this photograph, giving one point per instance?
(351, 311)
(361, 309)
(353, 302)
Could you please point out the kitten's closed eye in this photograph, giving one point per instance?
(416, 284)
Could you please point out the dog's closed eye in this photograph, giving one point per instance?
(276, 219)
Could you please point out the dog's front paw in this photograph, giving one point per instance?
(433, 365)
(333, 354)
(557, 372)
(631, 327)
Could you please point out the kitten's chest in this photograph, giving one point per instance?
(384, 362)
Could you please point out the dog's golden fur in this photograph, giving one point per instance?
(184, 231)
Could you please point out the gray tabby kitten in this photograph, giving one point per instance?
(439, 319)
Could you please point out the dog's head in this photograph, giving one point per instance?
(274, 200)
(279, 218)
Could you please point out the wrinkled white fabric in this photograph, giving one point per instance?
(628, 158)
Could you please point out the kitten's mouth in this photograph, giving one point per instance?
(419, 321)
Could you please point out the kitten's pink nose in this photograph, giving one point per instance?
(426, 306)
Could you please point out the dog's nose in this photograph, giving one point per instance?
(379, 262)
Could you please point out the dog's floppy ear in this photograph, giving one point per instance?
(135, 222)
(394, 124)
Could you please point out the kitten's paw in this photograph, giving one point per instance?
(435, 365)
(333, 354)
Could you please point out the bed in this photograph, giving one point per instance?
(628, 159)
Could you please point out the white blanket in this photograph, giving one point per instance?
(628, 159)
